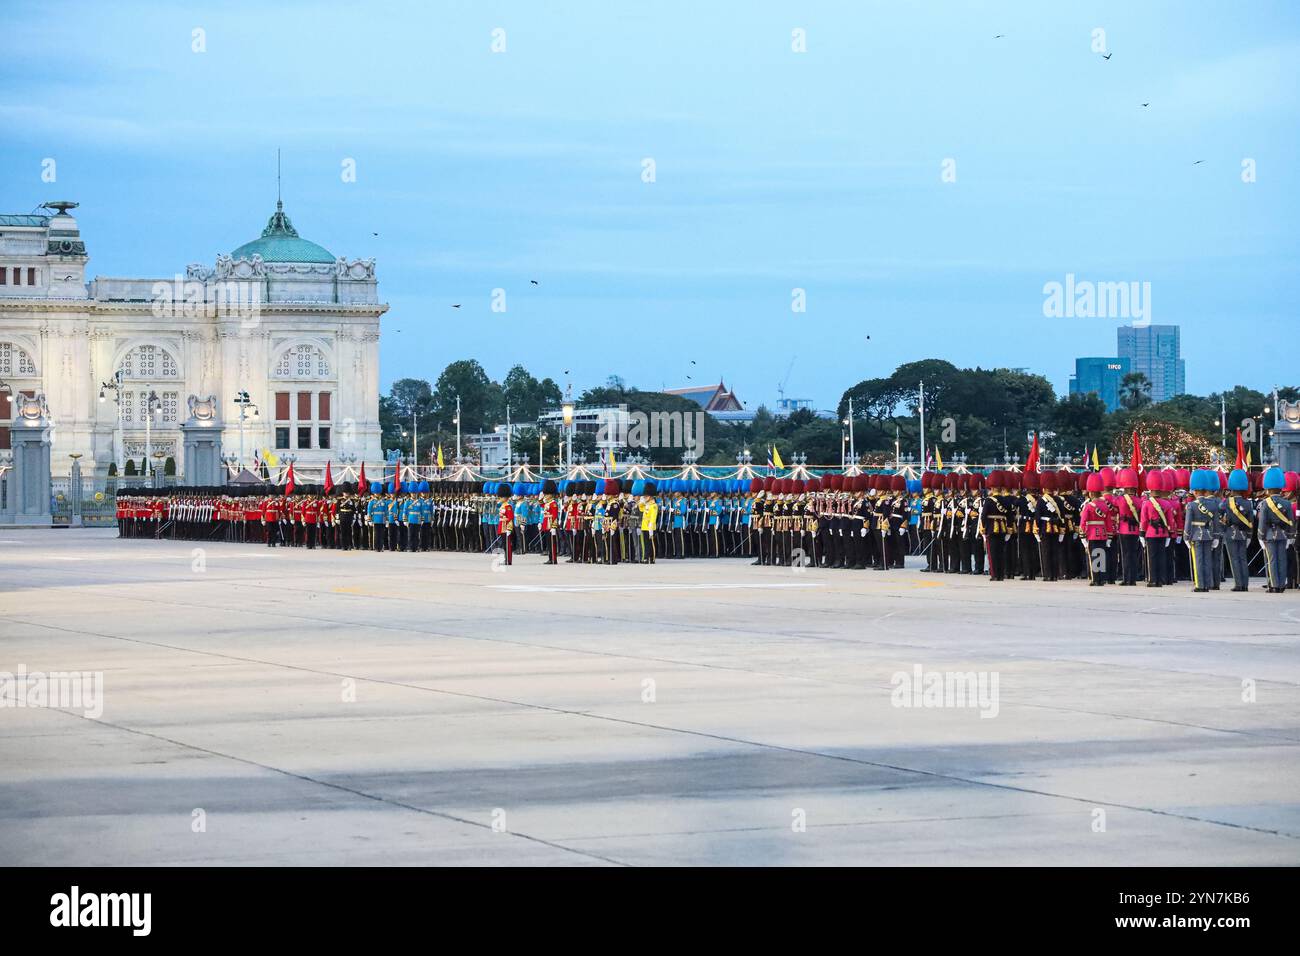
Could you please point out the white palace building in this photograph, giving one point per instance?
(279, 318)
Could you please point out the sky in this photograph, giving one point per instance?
(919, 177)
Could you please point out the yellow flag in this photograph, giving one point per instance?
(776, 458)
(611, 459)
(1247, 457)
(440, 465)
(938, 457)
(270, 458)
(1096, 462)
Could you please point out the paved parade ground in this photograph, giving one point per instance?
(295, 707)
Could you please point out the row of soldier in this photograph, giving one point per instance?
(1111, 526)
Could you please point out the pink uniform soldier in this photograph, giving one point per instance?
(1097, 527)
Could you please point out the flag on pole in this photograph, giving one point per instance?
(1247, 457)
(938, 457)
(329, 479)
(609, 465)
(1243, 460)
(270, 458)
(776, 457)
(362, 485)
(1136, 461)
(1096, 461)
(1031, 463)
(397, 476)
(769, 461)
(288, 480)
(440, 464)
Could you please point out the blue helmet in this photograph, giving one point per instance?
(376, 488)
(1203, 479)
(1274, 479)
(1238, 480)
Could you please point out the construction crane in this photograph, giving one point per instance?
(780, 388)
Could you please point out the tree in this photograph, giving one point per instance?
(1135, 391)
(526, 396)
(169, 466)
(481, 401)
(1078, 421)
(112, 469)
(130, 468)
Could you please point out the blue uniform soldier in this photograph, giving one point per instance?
(377, 516)
(1201, 519)
(1277, 525)
(1238, 526)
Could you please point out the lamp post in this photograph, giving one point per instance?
(158, 457)
(456, 420)
(541, 458)
(853, 449)
(567, 412)
(115, 386)
(245, 403)
(151, 403)
(1262, 417)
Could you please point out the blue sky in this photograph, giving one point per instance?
(775, 170)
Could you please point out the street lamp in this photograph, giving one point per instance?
(115, 386)
(151, 404)
(245, 403)
(456, 421)
(541, 458)
(566, 411)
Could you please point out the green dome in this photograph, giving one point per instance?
(280, 242)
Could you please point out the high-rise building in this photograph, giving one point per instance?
(1101, 375)
(1153, 350)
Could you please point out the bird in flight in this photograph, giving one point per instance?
(1107, 56)
(1198, 162)
(374, 233)
(456, 306)
(999, 36)
(1145, 105)
(533, 281)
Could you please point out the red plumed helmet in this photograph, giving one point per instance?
(898, 483)
(1182, 479)
(1153, 481)
(1127, 478)
(1107, 478)
(1095, 483)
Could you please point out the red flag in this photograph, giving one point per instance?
(288, 480)
(362, 485)
(397, 478)
(1031, 463)
(1241, 452)
(1136, 462)
(329, 479)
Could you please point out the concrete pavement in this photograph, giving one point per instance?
(289, 707)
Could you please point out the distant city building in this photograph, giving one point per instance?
(609, 424)
(1101, 376)
(1154, 351)
(718, 400)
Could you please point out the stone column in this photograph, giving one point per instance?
(29, 484)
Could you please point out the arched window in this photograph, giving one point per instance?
(15, 361)
(149, 363)
(302, 361)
